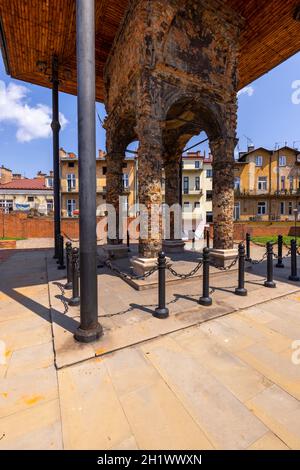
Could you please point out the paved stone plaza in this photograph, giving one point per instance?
(220, 377)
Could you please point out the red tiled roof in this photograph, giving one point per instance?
(34, 183)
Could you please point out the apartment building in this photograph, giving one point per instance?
(196, 191)
(70, 184)
(267, 184)
(18, 193)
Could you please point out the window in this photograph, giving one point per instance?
(125, 178)
(71, 207)
(236, 211)
(71, 180)
(197, 164)
(186, 205)
(196, 205)
(104, 170)
(209, 195)
(186, 184)
(71, 164)
(49, 206)
(49, 182)
(282, 183)
(6, 206)
(258, 161)
(30, 198)
(291, 180)
(262, 183)
(237, 183)
(282, 208)
(290, 208)
(209, 217)
(282, 161)
(197, 183)
(261, 208)
(209, 173)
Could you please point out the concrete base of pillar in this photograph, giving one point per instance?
(173, 246)
(116, 251)
(142, 265)
(223, 258)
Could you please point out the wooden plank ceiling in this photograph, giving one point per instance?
(34, 30)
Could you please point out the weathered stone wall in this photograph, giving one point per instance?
(173, 71)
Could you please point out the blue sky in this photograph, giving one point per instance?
(269, 113)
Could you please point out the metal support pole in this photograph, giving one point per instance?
(293, 276)
(61, 257)
(89, 329)
(75, 300)
(128, 241)
(205, 299)
(248, 239)
(280, 244)
(270, 280)
(162, 311)
(55, 126)
(207, 238)
(240, 290)
(68, 286)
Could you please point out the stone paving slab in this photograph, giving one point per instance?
(220, 380)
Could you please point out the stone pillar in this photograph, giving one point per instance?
(223, 200)
(150, 193)
(172, 161)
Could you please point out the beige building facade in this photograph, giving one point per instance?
(267, 184)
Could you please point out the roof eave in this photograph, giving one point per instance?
(3, 48)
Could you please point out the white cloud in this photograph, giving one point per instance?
(32, 122)
(248, 90)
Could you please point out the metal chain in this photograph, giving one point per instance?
(123, 275)
(225, 268)
(257, 261)
(187, 275)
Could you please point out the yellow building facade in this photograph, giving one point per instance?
(267, 184)
(69, 183)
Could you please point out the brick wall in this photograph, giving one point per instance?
(261, 230)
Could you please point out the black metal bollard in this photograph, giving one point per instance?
(161, 311)
(68, 286)
(61, 256)
(270, 281)
(205, 300)
(248, 240)
(75, 300)
(279, 263)
(207, 239)
(55, 256)
(193, 241)
(240, 290)
(293, 276)
(128, 241)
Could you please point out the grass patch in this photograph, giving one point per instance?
(273, 239)
(12, 238)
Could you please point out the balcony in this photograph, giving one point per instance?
(194, 192)
(261, 193)
(190, 166)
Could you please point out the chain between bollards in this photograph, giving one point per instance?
(240, 290)
(75, 300)
(270, 271)
(161, 311)
(205, 299)
(293, 276)
(248, 240)
(61, 261)
(68, 285)
(279, 263)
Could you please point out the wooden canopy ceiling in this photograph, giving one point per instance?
(33, 31)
